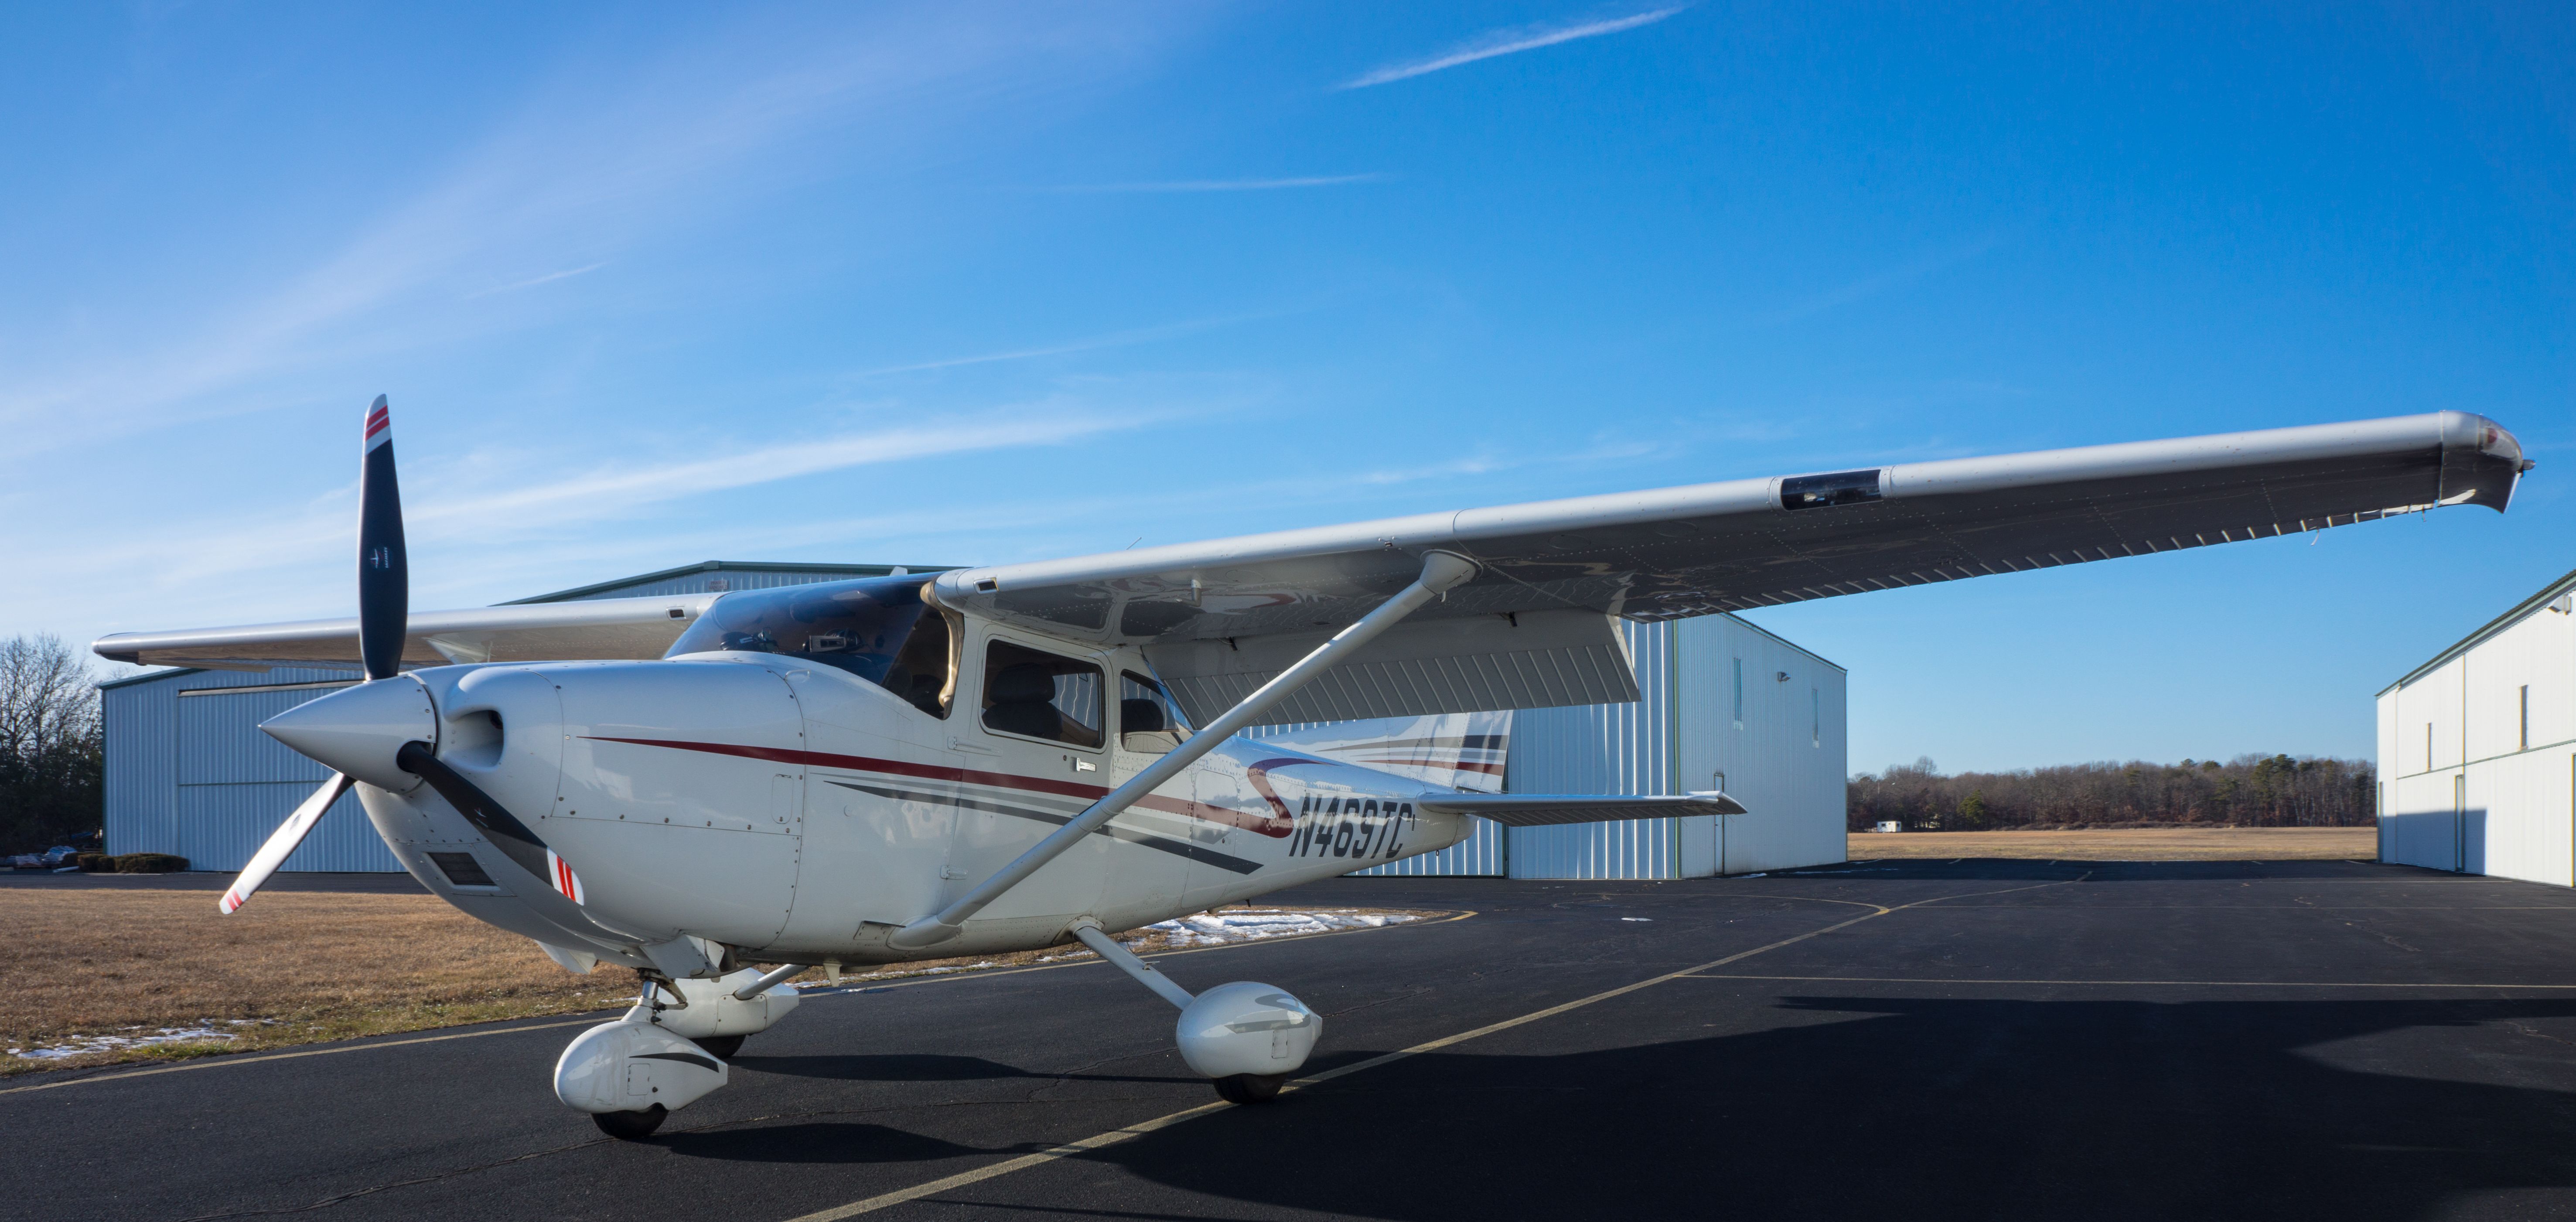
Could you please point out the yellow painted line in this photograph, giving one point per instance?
(1113, 1137)
(2228, 984)
(1022, 1163)
(221, 1060)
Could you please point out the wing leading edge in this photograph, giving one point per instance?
(1675, 552)
(533, 632)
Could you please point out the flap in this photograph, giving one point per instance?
(1542, 810)
(1533, 660)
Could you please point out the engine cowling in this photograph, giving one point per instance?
(1248, 1028)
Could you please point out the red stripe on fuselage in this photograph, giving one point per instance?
(1275, 828)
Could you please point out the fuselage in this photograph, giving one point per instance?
(802, 813)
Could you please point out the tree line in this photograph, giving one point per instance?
(52, 751)
(2248, 791)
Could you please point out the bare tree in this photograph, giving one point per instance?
(51, 757)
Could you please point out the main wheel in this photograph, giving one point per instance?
(721, 1047)
(1250, 1087)
(630, 1126)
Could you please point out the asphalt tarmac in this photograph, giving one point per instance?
(1981, 1039)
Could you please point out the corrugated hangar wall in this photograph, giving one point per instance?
(1725, 705)
(2477, 749)
(188, 771)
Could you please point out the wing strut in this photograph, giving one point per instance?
(1441, 572)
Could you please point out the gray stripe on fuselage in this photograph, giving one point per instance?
(1178, 848)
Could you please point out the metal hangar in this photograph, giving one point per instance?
(2477, 749)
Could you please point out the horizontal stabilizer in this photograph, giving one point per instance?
(1546, 809)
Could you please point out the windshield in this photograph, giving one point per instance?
(875, 627)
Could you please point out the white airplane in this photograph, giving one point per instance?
(1021, 756)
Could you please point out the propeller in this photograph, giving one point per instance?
(349, 728)
(384, 604)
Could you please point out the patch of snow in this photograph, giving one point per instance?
(85, 1044)
(1252, 924)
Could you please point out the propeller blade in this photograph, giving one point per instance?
(282, 842)
(384, 574)
(494, 820)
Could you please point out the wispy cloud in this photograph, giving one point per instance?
(495, 509)
(534, 281)
(1228, 184)
(616, 491)
(1507, 42)
(582, 173)
(1871, 286)
(1115, 339)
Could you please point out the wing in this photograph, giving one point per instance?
(1542, 810)
(528, 632)
(1200, 608)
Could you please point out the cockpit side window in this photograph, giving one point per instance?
(878, 628)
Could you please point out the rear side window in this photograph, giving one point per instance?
(1035, 694)
(1148, 720)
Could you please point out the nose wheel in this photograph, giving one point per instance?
(1250, 1087)
(631, 1126)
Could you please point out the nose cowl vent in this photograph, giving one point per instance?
(474, 739)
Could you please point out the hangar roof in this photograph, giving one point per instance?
(2548, 594)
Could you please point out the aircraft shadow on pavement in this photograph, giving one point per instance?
(920, 1067)
(839, 1142)
(1911, 1108)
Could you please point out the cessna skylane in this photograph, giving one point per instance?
(722, 790)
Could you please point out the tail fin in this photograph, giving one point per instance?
(1455, 750)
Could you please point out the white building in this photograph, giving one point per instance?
(2477, 749)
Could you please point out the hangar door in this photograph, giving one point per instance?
(237, 784)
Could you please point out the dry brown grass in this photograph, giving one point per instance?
(2138, 844)
(292, 968)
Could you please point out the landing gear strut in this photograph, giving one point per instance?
(1248, 1038)
(669, 1050)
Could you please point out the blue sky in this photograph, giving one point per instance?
(966, 284)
